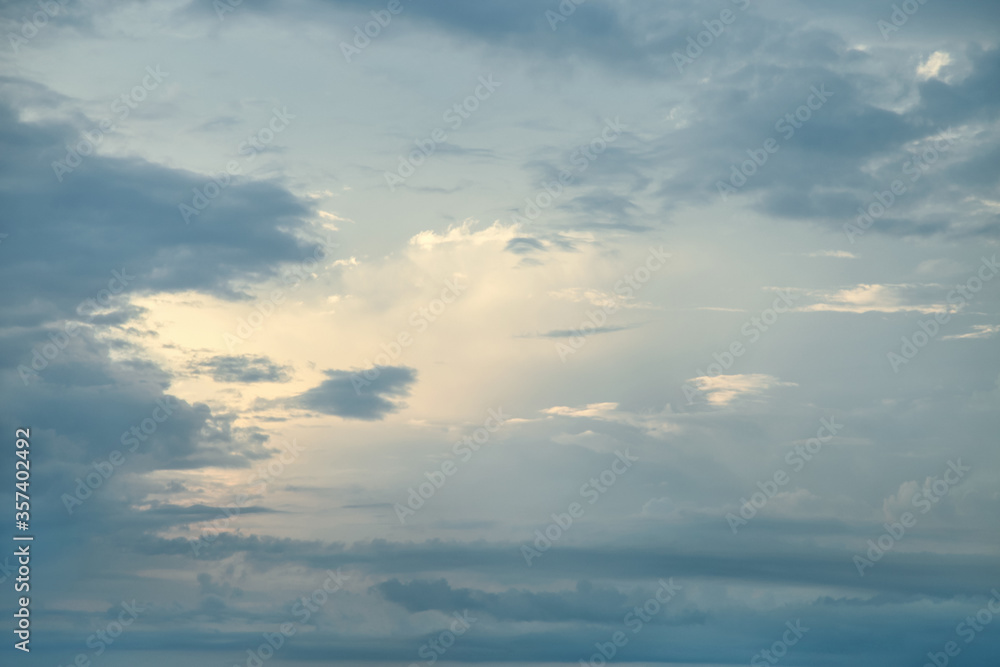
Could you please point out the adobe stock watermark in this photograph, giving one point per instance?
(264, 474)
(581, 159)
(122, 106)
(901, 14)
(704, 39)
(886, 199)
(255, 143)
(751, 330)
(623, 289)
(779, 649)
(434, 649)
(363, 35)
(592, 490)
(634, 620)
(436, 479)
(420, 319)
(132, 438)
(796, 459)
(786, 125)
(968, 630)
(99, 642)
(302, 610)
(565, 9)
(455, 116)
(42, 356)
(267, 306)
(929, 329)
(935, 490)
(49, 9)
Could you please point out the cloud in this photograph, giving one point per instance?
(651, 423)
(598, 297)
(587, 602)
(724, 390)
(978, 331)
(161, 338)
(122, 215)
(770, 557)
(91, 405)
(359, 394)
(243, 369)
(596, 410)
(522, 245)
(838, 254)
(932, 67)
(572, 333)
(873, 299)
(597, 31)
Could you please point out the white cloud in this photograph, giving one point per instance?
(723, 390)
(838, 254)
(931, 68)
(872, 298)
(978, 331)
(656, 425)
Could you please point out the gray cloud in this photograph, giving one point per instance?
(116, 214)
(355, 395)
(243, 369)
(133, 536)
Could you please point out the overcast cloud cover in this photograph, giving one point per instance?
(503, 331)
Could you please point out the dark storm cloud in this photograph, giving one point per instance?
(771, 560)
(94, 404)
(359, 394)
(75, 252)
(117, 221)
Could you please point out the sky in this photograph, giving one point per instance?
(524, 332)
